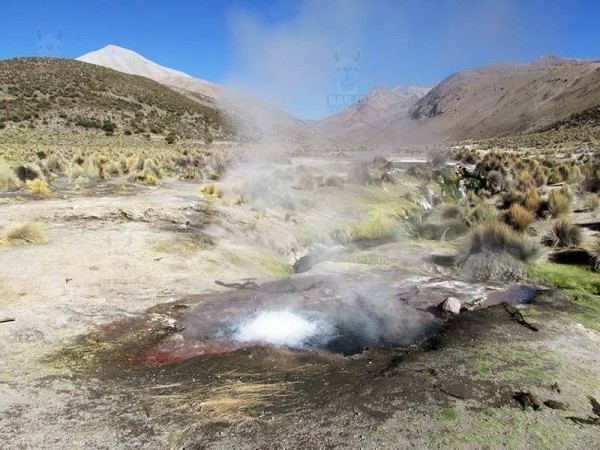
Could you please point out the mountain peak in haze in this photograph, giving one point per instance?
(128, 61)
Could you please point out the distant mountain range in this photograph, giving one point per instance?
(379, 109)
(253, 118)
(478, 103)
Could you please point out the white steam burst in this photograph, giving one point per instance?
(285, 329)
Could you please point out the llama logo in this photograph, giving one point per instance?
(346, 69)
(347, 73)
(49, 45)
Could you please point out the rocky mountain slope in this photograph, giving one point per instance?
(501, 99)
(375, 112)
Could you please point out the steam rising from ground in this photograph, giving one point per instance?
(316, 312)
(294, 330)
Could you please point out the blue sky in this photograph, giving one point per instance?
(284, 50)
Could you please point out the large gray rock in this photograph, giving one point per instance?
(451, 305)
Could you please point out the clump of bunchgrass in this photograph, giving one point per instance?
(559, 203)
(306, 181)
(38, 187)
(497, 237)
(212, 190)
(563, 233)
(591, 202)
(594, 251)
(483, 212)
(27, 233)
(518, 217)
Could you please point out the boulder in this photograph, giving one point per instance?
(451, 305)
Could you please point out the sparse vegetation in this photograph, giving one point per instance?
(27, 233)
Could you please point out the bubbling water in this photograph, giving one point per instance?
(297, 330)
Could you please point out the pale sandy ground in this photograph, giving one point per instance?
(110, 262)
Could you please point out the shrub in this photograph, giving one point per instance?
(37, 187)
(108, 127)
(563, 234)
(334, 181)
(559, 203)
(518, 217)
(497, 237)
(29, 233)
(8, 179)
(359, 174)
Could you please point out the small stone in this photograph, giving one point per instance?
(451, 305)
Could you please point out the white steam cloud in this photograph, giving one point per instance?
(290, 61)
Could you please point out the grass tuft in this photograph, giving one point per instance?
(497, 237)
(563, 234)
(28, 233)
(37, 187)
(518, 217)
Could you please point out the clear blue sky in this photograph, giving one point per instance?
(283, 49)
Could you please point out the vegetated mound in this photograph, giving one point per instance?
(580, 129)
(589, 118)
(60, 94)
(503, 99)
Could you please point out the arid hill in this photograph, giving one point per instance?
(379, 109)
(501, 99)
(60, 94)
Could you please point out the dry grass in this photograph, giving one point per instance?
(518, 217)
(563, 234)
(595, 252)
(559, 203)
(497, 237)
(37, 187)
(211, 190)
(532, 200)
(235, 401)
(27, 233)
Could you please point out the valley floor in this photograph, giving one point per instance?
(124, 267)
